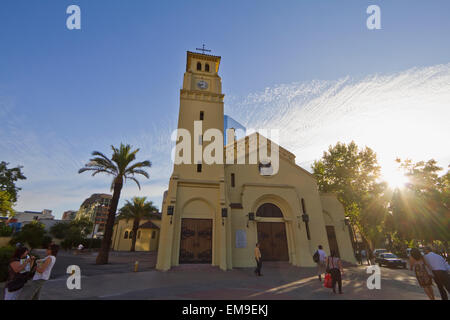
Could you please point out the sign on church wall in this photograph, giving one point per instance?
(241, 239)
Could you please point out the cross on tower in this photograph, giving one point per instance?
(203, 49)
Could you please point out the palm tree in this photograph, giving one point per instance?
(120, 167)
(137, 210)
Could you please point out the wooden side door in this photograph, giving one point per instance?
(332, 240)
(280, 247)
(273, 241)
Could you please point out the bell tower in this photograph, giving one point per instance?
(201, 99)
(195, 210)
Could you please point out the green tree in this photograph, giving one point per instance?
(353, 175)
(73, 232)
(137, 210)
(32, 233)
(8, 179)
(421, 210)
(59, 230)
(121, 168)
(6, 206)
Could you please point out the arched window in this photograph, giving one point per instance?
(125, 236)
(131, 235)
(207, 67)
(269, 210)
(199, 66)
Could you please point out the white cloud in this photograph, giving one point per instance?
(399, 115)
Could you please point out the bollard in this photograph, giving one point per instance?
(136, 266)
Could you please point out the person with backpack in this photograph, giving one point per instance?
(319, 257)
(17, 273)
(439, 268)
(335, 269)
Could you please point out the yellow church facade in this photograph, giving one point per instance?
(215, 213)
(147, 237)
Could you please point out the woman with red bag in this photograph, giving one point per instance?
(334, 270)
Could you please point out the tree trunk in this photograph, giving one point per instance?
(103, 254)
(135, 230)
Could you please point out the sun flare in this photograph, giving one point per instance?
(395, 178)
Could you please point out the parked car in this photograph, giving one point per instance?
(390, 260)
(376, 252)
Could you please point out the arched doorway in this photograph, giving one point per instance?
(272, 235)
(196, 232)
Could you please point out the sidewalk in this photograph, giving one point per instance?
(203, 282)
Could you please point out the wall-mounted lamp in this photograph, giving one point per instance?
(251, 217)
(224, 215)
(170, 210)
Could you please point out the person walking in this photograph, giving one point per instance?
(258, 260)
(417, 263)
(363, 254)
(370, 257)
(358, 257)
(32, 289)
(321, 258)
(334, 267)
(440, 268)
(17, 276)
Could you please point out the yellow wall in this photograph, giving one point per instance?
(143, 243)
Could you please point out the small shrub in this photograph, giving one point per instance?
(5, 231)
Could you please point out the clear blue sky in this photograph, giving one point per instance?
(65, 93)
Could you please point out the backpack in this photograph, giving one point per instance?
(316, 257)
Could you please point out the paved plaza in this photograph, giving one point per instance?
(279, 281)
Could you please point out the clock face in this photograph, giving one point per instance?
(202, 84)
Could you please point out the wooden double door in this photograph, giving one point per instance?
(196, 241)
(273, 241)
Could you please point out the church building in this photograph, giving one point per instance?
(216, 213)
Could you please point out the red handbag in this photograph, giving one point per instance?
(327, 283)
